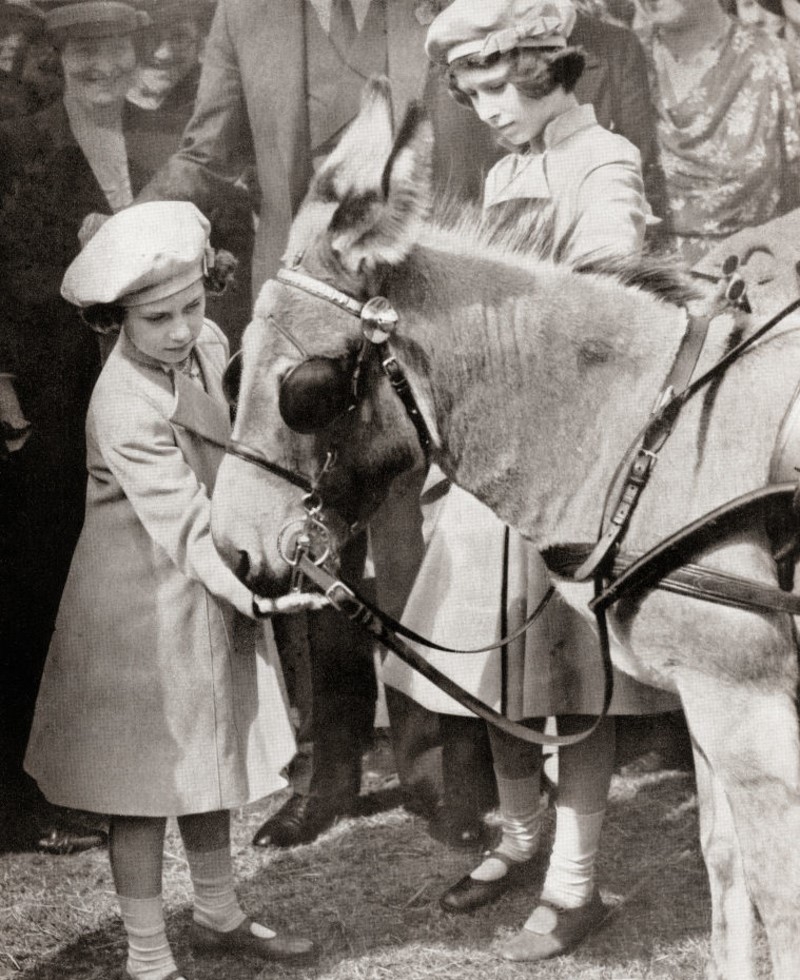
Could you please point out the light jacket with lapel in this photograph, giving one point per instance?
(252, 106)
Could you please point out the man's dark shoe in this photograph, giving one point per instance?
(463, 836)
(285, 949)
(301, 819)
(64, 841)
(469, 893)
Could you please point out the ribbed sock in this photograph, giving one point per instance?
(215, 902)
(570, 876)
(149, 953)
(521, 811)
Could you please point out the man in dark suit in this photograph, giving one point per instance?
(281, 79)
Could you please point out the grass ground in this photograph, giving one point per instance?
(367, 890)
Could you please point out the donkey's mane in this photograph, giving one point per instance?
(527, 231)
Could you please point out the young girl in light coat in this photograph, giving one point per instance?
(160, 695)
(511, 62)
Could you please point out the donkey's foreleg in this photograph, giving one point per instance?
(749, 735)
(732, 913)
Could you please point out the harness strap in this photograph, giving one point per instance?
(664, 566)
(402, 389)
(361, 612)
(655, 436)
(657, 431)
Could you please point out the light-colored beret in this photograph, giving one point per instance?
(486, 27)
(144, 253)
(94, 18)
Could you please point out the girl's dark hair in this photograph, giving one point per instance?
(107, 318)
(104, 318)
(536, 72)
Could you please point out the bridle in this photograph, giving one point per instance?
(305, 543)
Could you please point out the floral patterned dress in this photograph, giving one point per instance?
(730, 148)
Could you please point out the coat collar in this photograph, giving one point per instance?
(204, 413)
(524, 175)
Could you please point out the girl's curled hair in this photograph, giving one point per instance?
(222, 273)
(536, 72)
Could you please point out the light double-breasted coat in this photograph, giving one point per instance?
(590, 179)
(159, 696)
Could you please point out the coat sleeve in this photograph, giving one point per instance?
(611, 213)
(137, 444)
(217, 145)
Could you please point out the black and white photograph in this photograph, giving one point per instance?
(399, 489)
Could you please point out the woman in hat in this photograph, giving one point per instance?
(55, 166)
(160, 695)
(510, 62)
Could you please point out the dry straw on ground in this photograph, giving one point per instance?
(367, 890)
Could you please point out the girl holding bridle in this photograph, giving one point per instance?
(160, 695)
(510, 61)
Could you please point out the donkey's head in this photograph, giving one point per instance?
(312, 395)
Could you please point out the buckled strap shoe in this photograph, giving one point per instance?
(470, 893)
(286, 949)
(301, 820)
(552, 930)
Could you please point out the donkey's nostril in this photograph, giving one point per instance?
(243, 567)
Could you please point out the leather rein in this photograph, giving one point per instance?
(615, 574)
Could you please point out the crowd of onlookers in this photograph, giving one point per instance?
(103, 103)
(107, 106)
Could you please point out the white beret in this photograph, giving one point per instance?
(94, 18)
(144, 253)
(487, 27)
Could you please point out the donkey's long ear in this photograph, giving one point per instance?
(377, 224)
(356, 165)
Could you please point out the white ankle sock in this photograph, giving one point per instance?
(570, 875)
(521, 819)
(215, 902)
(149, 953)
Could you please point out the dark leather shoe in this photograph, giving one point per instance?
(469, 893)
(301, 819)
(62, 841)
(458, 835)
(552, 930)
(286, 949)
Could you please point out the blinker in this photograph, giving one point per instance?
(315, 393)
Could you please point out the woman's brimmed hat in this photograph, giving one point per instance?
(93, 18)
(481, 28)
(142, 254)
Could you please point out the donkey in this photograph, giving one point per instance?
(533, 380)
